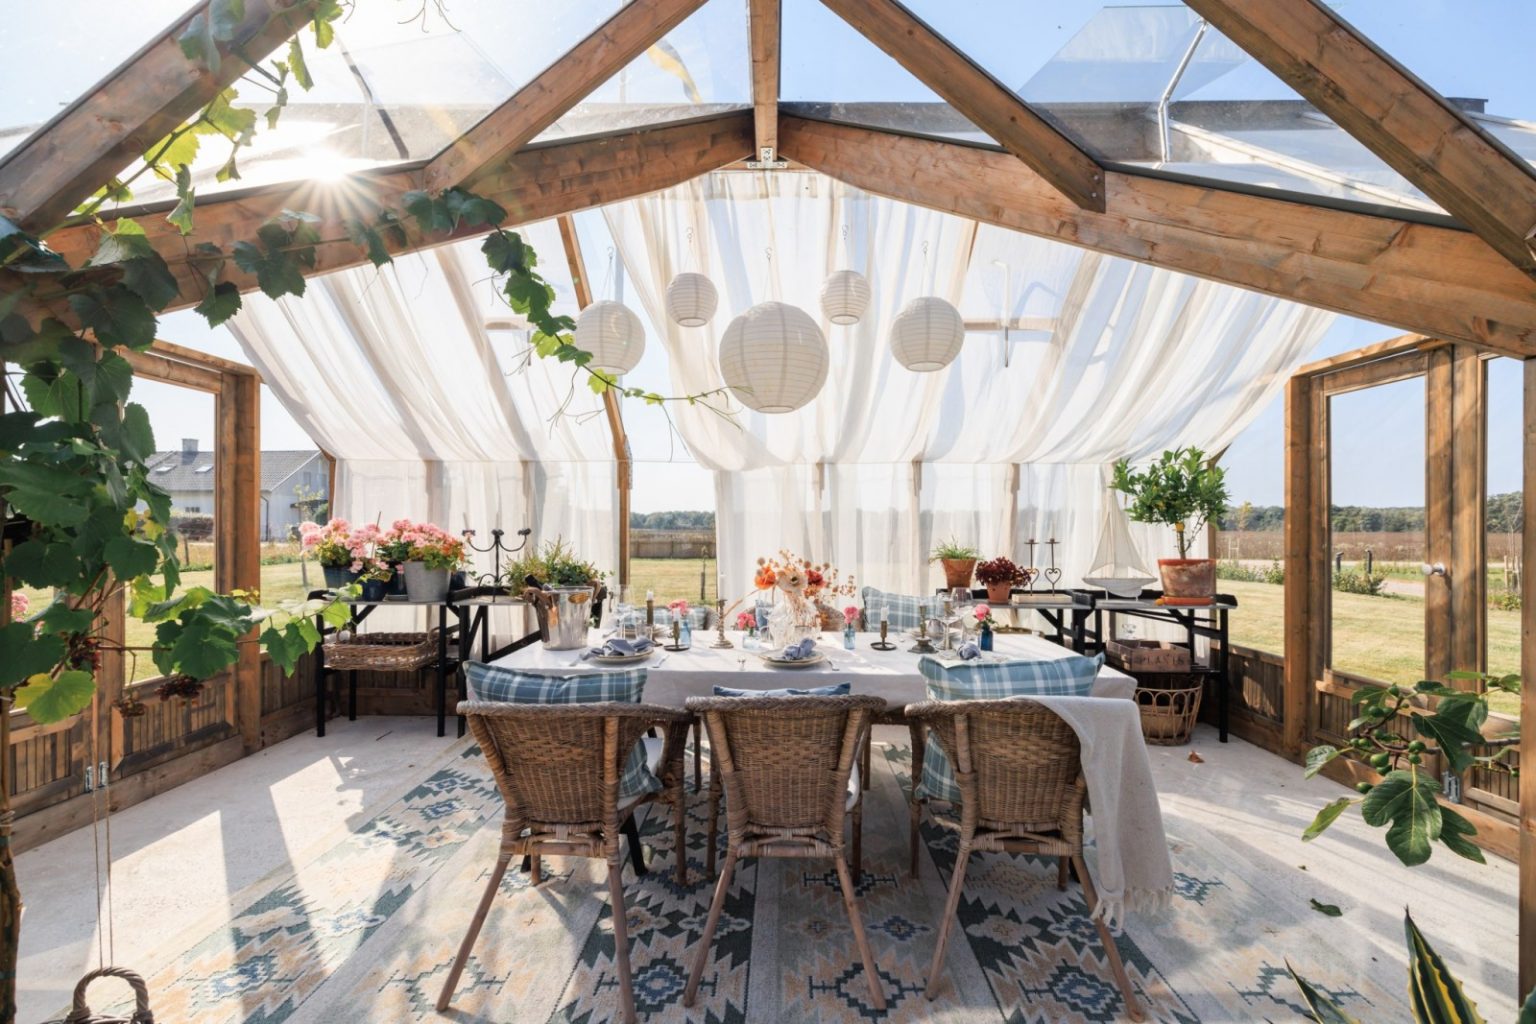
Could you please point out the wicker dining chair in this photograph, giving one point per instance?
(785, 764)
(1018, 768)
(558, 768)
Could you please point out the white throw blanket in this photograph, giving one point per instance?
(1134, 873)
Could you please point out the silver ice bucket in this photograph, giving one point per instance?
(564, 614)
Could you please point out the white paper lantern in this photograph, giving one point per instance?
(927, 334)
(774, 357)
(612, 333)
(691, 299)
(844, 296)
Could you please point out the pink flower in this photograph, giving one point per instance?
(982, 611)
(19, 605)
(851, 614)
(745, 620)
(679, 607)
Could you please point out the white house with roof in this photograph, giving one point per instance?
(293, 483)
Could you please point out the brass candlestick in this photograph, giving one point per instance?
(721, 643)
(884, 644)
(677, 636)
(922, 646)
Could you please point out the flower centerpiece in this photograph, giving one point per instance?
(999, 575)
(796, 585)
(345, 553)
(986, 625)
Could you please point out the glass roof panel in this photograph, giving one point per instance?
(56, 51)
(387, 90)
(829, 70)
(700, 67)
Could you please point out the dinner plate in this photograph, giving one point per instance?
(622, 659)
(811, 662)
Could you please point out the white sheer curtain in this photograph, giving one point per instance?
(430, 414)
(1104, 358)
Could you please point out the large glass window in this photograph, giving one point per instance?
(1376, 536)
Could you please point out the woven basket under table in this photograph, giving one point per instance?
(1168, 715)
(382, 652)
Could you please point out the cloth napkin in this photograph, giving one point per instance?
(968, 651)
(618, 647)
(804, 649)
(1134, 873)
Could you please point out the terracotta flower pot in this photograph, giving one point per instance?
(957, 571)
(1188, 580)
(999, 593)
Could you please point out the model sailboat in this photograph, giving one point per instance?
(1117, 564)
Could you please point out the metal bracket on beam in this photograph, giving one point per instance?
(767, 160)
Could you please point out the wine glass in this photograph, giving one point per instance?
(624, 613)
(960, 601)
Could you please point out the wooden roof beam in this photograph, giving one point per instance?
(63, 164)
(542, 181)
(632, 30)
(764, 24)
(1410, 126)
(1433, 280)
(983, 100)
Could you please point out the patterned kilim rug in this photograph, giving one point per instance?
(365, 931)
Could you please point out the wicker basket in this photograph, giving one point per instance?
(382, 652)
(80, 1012)
(1168, 715)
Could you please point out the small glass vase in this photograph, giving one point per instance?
(849, 636)
(986, 639)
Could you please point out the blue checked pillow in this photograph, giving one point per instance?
(519, 686)
(904, 610)
(995, 680)
(830, 690)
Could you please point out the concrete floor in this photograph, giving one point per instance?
(185, 854)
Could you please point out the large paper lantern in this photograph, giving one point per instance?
(612, 333)
(927, 334)
(774, 357)
(691, 299)
(844, 296)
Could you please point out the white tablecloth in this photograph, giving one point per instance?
(675, 676)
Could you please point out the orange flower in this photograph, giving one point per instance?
(765, 578)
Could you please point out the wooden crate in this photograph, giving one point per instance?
(1147, 656)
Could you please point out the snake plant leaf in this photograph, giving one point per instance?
(1436, 994)
(1322, 1009)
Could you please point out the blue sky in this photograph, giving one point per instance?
(1473, 48)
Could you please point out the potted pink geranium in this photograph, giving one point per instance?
(431, 555)
(344, 552)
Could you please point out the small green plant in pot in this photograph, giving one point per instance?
(1182, 490)
(959, 562)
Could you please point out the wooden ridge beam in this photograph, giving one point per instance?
(632, 30)
(1392, 112)
(1429, 279)
(765, 27)
(539, 183)
(136, 106)
(622, 463)
(983, 100)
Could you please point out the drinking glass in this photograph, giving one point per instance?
(960, 602)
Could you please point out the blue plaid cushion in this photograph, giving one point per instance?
(995, 680)
(831, 690)
(520, 686)
(904, 610)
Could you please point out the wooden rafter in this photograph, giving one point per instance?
(622, 463)
(764, 23)
(541, 182)
(633, 29)
(1394, 114)
(1422, 277)
(60, 166)
(986, 102)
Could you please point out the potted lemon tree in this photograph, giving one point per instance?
(1183, 490)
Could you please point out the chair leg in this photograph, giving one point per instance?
(475, 924)
(621, 939)
(698, 746)
(535, 874)
(915, 809)
(860, 938)
(866, 759)
(722, 887)
(1063, 873)
(680, 829)
(631, 832)
(951, 908)
(712, 831)
(1132, 1007)
(857, 847)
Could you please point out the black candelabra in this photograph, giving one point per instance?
(496, 549)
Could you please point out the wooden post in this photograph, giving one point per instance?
(1439, 497)
(1301, 561)
(1469, 510)
(1528, 700)
(237, 525)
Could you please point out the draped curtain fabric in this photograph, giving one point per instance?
(1103, 358)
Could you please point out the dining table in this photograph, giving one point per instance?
(674, 676)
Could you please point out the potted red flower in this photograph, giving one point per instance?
(999, 575)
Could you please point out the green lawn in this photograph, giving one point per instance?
(673, 578)
(1379, 637)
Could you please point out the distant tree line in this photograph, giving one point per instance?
(1505, 515)
(671, 520)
